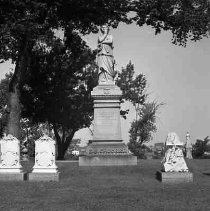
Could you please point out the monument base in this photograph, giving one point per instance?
(46, 177)
(13, 176)
(107, 154)
(108, 160)
(174, 177)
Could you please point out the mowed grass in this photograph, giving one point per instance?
(109, 188)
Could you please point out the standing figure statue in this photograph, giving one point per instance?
(188, 147)
(105, 58)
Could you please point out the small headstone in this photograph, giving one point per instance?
(45, 168)
(10, 167)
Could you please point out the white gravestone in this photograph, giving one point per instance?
(174, 158)
(45, 156)
(10, 155)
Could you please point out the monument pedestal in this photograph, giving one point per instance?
(107, 148)
(174, 177)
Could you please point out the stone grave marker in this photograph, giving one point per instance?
(45, 168)
(10, 167)
(174, 168)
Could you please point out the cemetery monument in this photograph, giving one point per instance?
(10, 167)
(45, 168)
(174, 167)
(107, 148)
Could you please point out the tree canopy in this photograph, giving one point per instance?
(57, 88)
(25, 24)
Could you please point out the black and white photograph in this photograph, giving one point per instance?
(104, 105)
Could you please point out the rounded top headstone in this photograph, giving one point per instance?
(173, 139)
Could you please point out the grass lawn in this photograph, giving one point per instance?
(109, 188)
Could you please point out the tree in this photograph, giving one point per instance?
(200, 147)
(4, 93)
(143, 128)
(133, 90)
(186, 19)
(23, 24)
(57, 89)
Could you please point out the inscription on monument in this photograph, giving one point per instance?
(107, 123)
(108, 151)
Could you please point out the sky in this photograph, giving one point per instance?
(177, 76)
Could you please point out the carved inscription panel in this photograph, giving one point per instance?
(107, 124)
(107, 151)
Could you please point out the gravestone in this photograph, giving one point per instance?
(10, 167)
(174, 167)
(107, 147)
(45, 168)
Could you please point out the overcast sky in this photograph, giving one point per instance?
(176, 76)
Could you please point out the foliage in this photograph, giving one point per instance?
(25, 24)
(74, 145)
(200, 147)
(57, 88)
(30, 132)
(186, 19)
(4, 92)
(142, 129)
(133, 89)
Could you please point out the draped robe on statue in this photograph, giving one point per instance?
(106, 60)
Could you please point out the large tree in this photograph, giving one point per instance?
(57, 88)
(144, 124)
(25, 23)
(143, 127)
(133, 87)
(186, 19)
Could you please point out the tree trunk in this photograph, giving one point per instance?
(14, 105)
(62, 143)
(13, 124)
(61, 151)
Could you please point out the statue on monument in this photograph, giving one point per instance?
(105, 59)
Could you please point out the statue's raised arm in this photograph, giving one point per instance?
(105, 59)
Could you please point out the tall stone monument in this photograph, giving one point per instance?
(107, 148)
